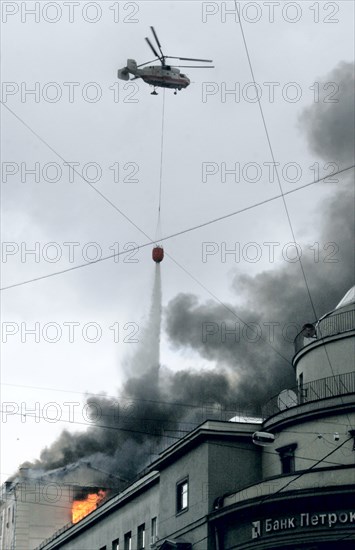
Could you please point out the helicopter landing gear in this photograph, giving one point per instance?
(154, 92)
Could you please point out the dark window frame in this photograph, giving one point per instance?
(116, 544)
(141, 529)
(180, 509)
(287, 457)
(127, 537)
(141, 545)
(153, 532)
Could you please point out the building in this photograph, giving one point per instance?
(224, 487)
(305, 498)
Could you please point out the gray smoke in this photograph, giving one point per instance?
(329, 123)
(157, 406)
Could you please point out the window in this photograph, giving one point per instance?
(141, 537)
(103, 548)
(128, 541)
(182, 495)
(154, 531)
(287, 457)
(116, 544)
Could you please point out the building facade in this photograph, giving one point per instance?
(305, 499)
(223, 487)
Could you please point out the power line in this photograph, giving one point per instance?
(173, 235)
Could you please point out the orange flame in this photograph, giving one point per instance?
(82, 508)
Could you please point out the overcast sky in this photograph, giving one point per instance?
(80, 113)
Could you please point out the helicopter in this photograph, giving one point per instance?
(164, 76)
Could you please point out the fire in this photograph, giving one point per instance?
(82, 508)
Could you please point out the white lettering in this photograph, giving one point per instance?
(343, 517)
(322, 518)
(291, 522)
(283, 524)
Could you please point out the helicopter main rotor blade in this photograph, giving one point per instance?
(152, 48)
(194, 66)
(157, 40)
(190, 59)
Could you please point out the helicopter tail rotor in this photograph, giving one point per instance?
(123, 74)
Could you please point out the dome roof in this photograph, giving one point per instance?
(348, 298)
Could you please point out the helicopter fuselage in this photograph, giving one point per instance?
(163, 77)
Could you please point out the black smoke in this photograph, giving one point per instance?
(157, 406)
(280, 301)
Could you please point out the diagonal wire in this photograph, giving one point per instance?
(114, 206)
